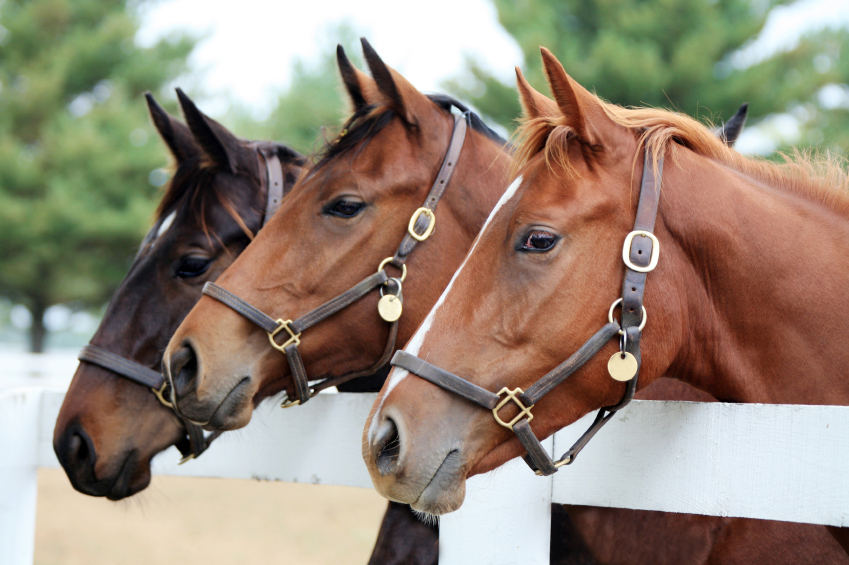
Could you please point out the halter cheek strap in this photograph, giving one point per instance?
(640, 255)
(285, 335)
(147, 377)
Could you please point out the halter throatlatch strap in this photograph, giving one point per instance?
(147, 377)
(640, 256)
(420, 227)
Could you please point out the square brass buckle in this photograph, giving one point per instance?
(655, 251)
(511, 395)
(293, 337)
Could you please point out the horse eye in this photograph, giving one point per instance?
(539, 241)
(345, 208)
(192, 266)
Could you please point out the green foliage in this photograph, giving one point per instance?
(76, 148)
(666, 53)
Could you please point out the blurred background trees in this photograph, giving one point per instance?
(76, 150)
(80, 163)
(689, 55)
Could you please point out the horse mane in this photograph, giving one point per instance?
(191, 186)
(370, 119)
(820, 175)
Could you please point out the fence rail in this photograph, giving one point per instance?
(747, 460)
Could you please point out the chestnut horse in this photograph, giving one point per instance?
(549, 262)
(360, 195)
(109, 428)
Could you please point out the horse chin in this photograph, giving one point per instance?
(446, 489)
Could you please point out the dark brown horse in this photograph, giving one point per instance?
(730, 311)
(110, 428)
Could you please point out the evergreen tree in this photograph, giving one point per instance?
(670, 53)
(78, 157)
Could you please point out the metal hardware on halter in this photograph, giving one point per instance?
(160, 394)
(387, 261)
(610, 319)
(431, 223)
(293, 337)
(655, 251)
(512, 395)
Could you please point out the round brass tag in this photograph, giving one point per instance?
(389, 307)
(622, 366)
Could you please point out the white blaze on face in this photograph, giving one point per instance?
(418, 338)
(166, 223)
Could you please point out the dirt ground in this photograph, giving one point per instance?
(190, 521)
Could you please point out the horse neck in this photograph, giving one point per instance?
(759, 271)
(478, 182)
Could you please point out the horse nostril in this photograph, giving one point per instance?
(77, 453)
(386, 447)
(184, 370)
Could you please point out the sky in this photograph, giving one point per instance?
(249, 47)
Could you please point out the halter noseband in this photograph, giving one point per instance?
(419, 229)
(640, 253)
(147, 377)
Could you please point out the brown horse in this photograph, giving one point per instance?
(549, 263)
(109, 428)
(345, 215)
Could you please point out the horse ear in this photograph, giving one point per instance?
(583, 111)
(173, 132)
(534, 104)
(730, 130)
(394, 89)
(353, 78)
(224, 149)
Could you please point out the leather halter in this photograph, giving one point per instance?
(147, 377)
(640, 255)
(420, 227)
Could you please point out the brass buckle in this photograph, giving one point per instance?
(557, 465)
(387, 261)
(160, 394)
(289, 403)
(655, 251)
(293, 337)
(511, 395)
(431, 217)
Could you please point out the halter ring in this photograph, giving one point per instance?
(613, 307)
(431, 219)
(655, 251)
(293, 337)
(160, 394)
(387, 261)
(511, 395)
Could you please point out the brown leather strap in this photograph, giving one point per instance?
(255, 315)
(444, 379)
(570, 365)
(126, 368)
(276, 183)
(449, 163)
(344, 300)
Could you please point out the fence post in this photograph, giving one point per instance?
(19, 417)
(505, 519)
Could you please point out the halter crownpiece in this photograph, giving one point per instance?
(419, 228)
(147, 377)
(640, 255)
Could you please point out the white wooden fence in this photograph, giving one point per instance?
(749, 460)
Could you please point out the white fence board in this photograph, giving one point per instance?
(759, 461)
(779, 462)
